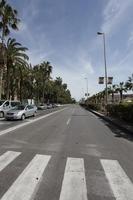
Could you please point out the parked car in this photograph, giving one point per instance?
(49, 106)
(21, 112)
(42, 106)
(54, 105)
(6, 105)
(58, 105)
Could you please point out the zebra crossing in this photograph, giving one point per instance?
(74, 185)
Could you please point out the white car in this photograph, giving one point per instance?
(42, 106)
(6, 105)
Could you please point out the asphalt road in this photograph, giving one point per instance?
(66, 154)
(4, 124)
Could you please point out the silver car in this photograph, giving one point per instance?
(42, 107)
(21, 112)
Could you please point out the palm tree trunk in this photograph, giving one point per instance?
(43, 91)
(1, 81)
(20, 90)
(121, 95)
(112, 97)
(3, 60)
(8, 84)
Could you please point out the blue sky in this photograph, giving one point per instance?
(64, 33)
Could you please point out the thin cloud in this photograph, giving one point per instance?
(114, 14)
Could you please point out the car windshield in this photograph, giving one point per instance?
(1, 102)
(20, 107)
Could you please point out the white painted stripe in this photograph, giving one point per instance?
(7, 158)
(73, 111)
(120, 184)
(74, 183)
(28, 122)
(68, 121)
(26, 185)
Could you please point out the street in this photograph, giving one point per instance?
(65, 154)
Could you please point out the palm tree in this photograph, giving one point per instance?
(46, 70)
(58, 81)
(9, 19)
(112, 90)
(64, 86)
(121, 88)
(15, 54)
(129, 83)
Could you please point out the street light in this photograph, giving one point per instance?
(86, 86)
(106, 84)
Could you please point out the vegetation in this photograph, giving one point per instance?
(19, 79)
(123, 111)
(117, 108)
(8, 20)
(118, 89)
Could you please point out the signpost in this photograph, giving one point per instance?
(109, 80)
(101, 80)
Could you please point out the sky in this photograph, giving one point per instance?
(64, 32)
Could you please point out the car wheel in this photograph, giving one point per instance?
(23, 117)
(34, 114)
(1, 114)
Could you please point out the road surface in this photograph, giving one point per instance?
(66, 154)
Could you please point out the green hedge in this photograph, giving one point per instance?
(93, 106)
(123, 111)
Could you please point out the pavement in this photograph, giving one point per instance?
(66, 154)
(125, 126)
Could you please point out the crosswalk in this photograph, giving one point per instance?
(74, 184)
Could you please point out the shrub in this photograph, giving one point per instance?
(93, 106)
(122, 111)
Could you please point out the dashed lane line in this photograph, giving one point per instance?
(68, 121)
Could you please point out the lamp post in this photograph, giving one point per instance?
(106, 83)
(86, 86)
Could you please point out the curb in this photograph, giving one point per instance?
(123, 128)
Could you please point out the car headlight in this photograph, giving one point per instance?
(18, 113)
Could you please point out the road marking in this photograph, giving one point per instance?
(28, 122)
(68, 121)
(74, 183)
(120, 184)
(7, 158)
(73, 111)
(26, 185)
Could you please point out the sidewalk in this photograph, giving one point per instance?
(127, 127)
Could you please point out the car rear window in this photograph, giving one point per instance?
(14, 103)
(1, 102)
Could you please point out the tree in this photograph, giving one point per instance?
(112, 90)
(58, 81)
(121, 88)
(42, 75)
(8, 20)
(15, 54)
(129, 83)
(46, 70)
